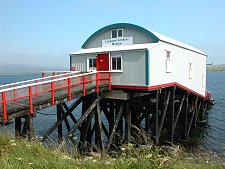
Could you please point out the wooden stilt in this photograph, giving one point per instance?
(119, 128)
(202, 110)
(18, 126)
(115, 126)
(186, 116)
(128, 123)
(156, 119)
(192, 117)
(59, 128)
(101, 145)
(170, 118)
(30, 128)
(178, 113)
(85, 125)
(163, 115)
(97, 143)
(195, 115)
(111, 116)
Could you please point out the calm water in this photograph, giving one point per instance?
(211, 136)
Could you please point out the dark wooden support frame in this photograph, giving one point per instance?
(127, 123)
(170, 116)
(167, 108)
(156, 120)
(115, 126)
(192, 117)
(163, 115)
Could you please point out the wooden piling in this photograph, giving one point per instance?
(127, 123)
(59, 128)
(18, 127)
(156, 119)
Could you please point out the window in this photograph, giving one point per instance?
(191, 71)
(168, 62)
(91, 64)
(117, 63)
(203, 81)
(117, 33)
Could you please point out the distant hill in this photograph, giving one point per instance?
(216, 68)
(20, 69)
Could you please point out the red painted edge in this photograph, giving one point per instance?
(144, 88)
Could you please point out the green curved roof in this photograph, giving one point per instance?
(121, 25)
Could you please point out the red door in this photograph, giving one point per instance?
(103, 62)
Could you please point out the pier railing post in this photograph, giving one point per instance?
(97, 82)
(53, 93)
(110, 80)
(84, 87)
(69, 89)
(30, 100)
(14, 92)
(4, 107)
(36, 88)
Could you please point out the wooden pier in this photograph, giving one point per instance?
(110, 117)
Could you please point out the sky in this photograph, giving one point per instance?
(44, 32)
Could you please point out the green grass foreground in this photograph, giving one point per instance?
(20, 153)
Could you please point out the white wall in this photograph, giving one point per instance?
(180, 59)
(80, 61)
(138, 37)
(133, 69)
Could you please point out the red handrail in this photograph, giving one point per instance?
(19, 94)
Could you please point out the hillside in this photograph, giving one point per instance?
(20, 69)
(216, 68)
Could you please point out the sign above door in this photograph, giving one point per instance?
(117, 41)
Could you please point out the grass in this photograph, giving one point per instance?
(216, 68)
(20, 153)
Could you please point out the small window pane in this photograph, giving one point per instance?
(94, 63)
(118, 63)
(168, 62)
(191, 70)
(168, 54)
(114, 34)
(120, 33)
(90, 63)
(113, 63)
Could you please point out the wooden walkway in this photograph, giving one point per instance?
(25, 97)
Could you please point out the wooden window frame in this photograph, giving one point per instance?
(116, 70)
(168, 62)
(191, 70)
(88, 61)
(117, 33)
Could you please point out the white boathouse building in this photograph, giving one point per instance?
(140, 59)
